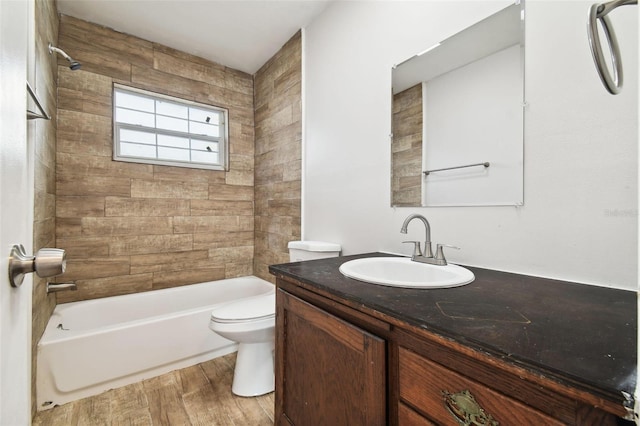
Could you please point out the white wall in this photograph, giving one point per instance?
(579, 219)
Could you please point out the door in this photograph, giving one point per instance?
(16, 215)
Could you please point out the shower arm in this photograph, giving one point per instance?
(74, 65)
(52, 49)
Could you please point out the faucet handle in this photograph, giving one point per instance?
(440, 252)
(417, 251)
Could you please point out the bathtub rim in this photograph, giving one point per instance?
(51, 333)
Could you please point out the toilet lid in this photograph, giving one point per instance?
(246, 309)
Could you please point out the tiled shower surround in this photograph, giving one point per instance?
(278, 145)
(136, 227)
(42, 134)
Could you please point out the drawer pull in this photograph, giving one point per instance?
(465, 410)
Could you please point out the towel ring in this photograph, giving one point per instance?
(599, 11)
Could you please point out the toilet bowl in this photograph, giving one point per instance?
(250, 322)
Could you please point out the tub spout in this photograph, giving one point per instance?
(53, 287)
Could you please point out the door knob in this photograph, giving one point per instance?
(48, 262)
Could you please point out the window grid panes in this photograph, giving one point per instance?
(151, 128)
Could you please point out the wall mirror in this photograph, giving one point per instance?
(457, 125)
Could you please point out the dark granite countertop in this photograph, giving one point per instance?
(580, 334)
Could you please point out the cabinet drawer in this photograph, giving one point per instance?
(438, 393)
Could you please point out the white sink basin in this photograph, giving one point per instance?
(403, 272)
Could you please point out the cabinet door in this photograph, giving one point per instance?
(328, 372)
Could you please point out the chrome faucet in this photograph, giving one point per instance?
(428, 252)
(428, 256)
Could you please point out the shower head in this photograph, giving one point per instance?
(74, 65)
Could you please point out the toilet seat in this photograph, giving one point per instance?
(246, 310)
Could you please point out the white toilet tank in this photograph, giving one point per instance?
(309, 250)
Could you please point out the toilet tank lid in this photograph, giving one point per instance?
(314, 246)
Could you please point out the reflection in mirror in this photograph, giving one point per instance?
(458, 118)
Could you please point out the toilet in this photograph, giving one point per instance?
(251, 322)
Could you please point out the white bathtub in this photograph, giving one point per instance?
(92, 346)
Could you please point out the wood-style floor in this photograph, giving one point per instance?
(198, 395)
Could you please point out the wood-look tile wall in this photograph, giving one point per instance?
(43, 135)
(135, 227)
(406, 148)
(278, 155)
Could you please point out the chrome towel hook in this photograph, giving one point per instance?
(600, 11)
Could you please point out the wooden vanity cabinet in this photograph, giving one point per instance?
(340, 363)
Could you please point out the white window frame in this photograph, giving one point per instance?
(222, 140)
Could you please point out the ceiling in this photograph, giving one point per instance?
(241, 34)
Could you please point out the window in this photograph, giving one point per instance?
(157, 129)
